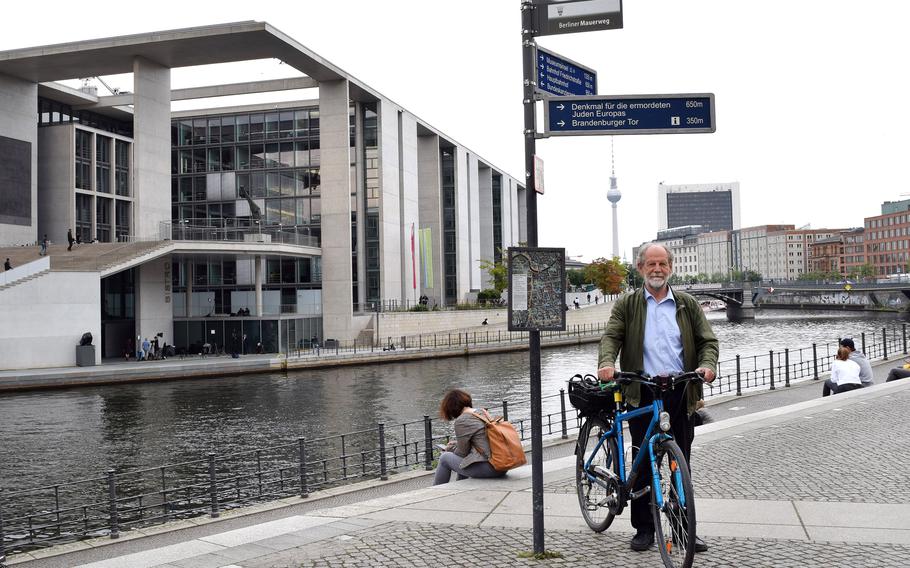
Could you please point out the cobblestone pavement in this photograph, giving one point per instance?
(414, 545)
(802, 459)
(831, 455)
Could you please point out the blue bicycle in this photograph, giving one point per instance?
(604, 481)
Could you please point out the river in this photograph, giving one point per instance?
(62, 435)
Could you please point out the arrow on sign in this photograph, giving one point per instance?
(561, 123)
(561, 106)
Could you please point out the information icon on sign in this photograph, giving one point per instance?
(674, 121)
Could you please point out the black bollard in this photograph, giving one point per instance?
(771, 358)
(213, 487)
(739, 386)
(304, 490)
(383, 472)
(787, 367)
(428, 440)
(114, 519)
(815, 362)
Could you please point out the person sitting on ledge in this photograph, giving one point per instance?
(844, 374)
(466, 454)
(901, 372)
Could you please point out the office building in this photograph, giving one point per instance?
(714, 206)
(266, 224)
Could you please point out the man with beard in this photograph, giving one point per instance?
(658, 331)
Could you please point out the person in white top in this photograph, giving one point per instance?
(844, 374)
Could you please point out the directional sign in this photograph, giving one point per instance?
(559, 76)
(629, 114)
(571, 16)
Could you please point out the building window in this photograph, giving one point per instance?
(450, 252)
(83, 159)
(102, 164)
(122, 167)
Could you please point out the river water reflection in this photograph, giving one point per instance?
(56, 436)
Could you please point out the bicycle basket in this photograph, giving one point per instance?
(586, 395)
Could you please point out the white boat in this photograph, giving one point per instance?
(713, 305)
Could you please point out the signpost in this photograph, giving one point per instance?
(571, 16)
(560, 76)
(537, 289)
(629, 114)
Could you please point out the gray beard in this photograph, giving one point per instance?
(657, 283)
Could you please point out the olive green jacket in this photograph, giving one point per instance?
(625, 336)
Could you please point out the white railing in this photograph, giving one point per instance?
(24, 271)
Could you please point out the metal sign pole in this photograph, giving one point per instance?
(530, 128)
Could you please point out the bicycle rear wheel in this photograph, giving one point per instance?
(674, 523)
(598, 503)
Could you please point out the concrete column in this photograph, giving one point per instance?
(189, 287)
(485, 221)
(391, 228)
(410, 209)
(337, 311)
(19, 122)
(430, 206)
(153, 313)
(462, 224)
(152, 146)
(747, 310)
(258, 286)
(521, 198)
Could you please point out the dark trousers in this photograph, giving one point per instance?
(683, 432)
(898, 373)
(832, 388)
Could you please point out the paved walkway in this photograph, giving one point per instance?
(816, 483)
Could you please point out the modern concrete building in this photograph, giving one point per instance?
(715, 258)
(257, 224)
(715, 206)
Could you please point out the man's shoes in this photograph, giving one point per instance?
(642, 540)
(700, 545)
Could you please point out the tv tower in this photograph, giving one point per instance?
(613, 196)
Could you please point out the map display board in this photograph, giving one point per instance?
(537, 289)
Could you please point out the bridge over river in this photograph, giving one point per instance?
(741, 298)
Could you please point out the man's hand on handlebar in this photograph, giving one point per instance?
(605, 374)
(707, 373)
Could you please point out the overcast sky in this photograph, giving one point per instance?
(811, 95)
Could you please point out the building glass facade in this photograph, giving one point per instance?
(497, 217)
(449, 247)
(711, 209)
(247, 170)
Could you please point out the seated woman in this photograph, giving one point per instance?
(844, 374)
(467, 455)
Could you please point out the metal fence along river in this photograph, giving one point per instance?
(120, 496)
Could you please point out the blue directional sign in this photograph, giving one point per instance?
(557, 75)
(629, 114)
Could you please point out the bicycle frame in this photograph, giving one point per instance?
(656, 407)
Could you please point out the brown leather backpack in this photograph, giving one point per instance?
(505, 445)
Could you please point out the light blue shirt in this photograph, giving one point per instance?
(663, 342)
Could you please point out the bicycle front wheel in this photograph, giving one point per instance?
(674, 521)
(598, 498)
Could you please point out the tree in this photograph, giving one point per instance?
(576, 276)
(498, 273)
(608, 275)
(633, 278)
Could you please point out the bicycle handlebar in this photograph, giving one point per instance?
(663, 382)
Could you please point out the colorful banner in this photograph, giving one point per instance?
(413, 260)
(426, 256)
